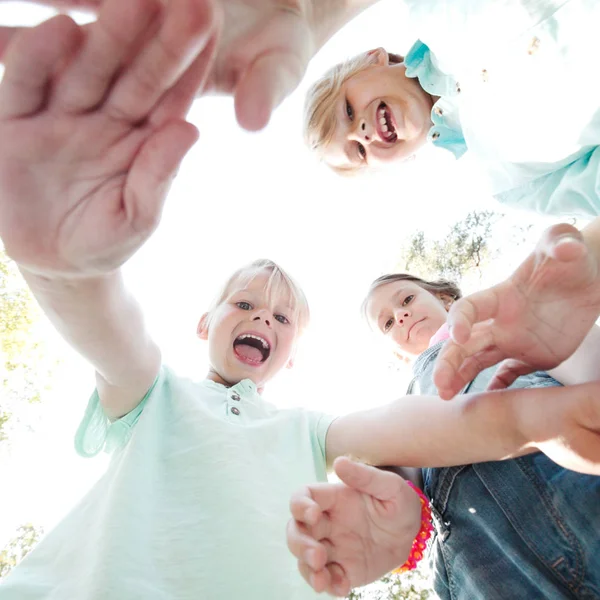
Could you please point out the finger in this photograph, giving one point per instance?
(475, 308)
(470, 368)
(30, 62)
(304, 546)
(308, 514)
(263, 86)
(303, 507)
(340, 583)
(332, 579)
(153, 171)
(186, 31)
(562, 242)
(453, 356)
(6, 35)
(109, 43)
(382, 485)
(178, 100)
(508, 372)
(318, 580)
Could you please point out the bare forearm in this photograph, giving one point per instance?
(583, 365)
(425, 431)
(104, 323)
(329, 16)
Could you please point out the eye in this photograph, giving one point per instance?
(388, 325)
(282, 319)
(362, 152)
(349, 110)
(244, 305)
(408, 300)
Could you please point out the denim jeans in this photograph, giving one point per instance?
(520, 529)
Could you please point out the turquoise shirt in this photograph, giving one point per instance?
(193, 506)
(519, 88)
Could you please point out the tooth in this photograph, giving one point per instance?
(384, 128)
(382, 120)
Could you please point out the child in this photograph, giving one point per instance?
(378, 107)
(193, 503)
(522, 528)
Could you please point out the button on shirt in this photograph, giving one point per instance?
(529, 102)
(193, 505)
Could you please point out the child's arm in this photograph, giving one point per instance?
(584, 364)
(540, 315)
(87, 156)
(264, 48)
(425, 431)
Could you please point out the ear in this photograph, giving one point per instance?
(202, 329)
(379, 56)
(446, 300)
(292, 360)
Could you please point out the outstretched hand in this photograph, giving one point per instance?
(351, 533)
(534, 320)
(93, 129)
(262, 53)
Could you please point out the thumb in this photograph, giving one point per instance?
(6, 34)
(264, 85)
(153, 171)
(562, 242)
(382, 485)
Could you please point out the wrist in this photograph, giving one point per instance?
(419, 545)
(326, 17)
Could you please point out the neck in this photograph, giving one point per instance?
(212, 375)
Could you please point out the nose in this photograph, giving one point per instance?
(401, 314)
(362, 132)
(263, 316)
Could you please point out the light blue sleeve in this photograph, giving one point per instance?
(573, 190)
(319, 425)
(97, 432)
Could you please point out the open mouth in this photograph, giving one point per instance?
(385, 124)
(251, 348)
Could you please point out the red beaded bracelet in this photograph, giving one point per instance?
(420, 543)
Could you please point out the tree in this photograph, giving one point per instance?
(15, 551)
(414, 585)
(465, 248)
(25, 366)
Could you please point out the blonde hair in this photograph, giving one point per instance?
(319, 113)
(278, 280)
(439, 286)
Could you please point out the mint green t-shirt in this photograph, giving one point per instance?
(193, 506)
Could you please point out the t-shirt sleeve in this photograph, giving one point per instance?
(573, 190)
(320, 423)
(97, 432)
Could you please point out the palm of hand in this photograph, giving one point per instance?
(70, 173)
(364, 534)
(94, 131)
(545, 310)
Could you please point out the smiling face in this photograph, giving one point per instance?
(381, 116)
(253, 330)
(406, 314)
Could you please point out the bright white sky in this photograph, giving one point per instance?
(243, 196)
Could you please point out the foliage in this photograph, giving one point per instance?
(27, 537)
(414, 585)
(25, 367)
